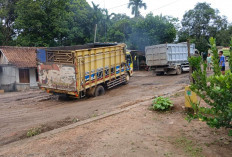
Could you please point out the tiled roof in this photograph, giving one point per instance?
(22, 57)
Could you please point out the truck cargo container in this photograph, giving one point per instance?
(168, 58)
(83, 70)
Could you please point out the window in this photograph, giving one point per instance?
(128, 58)
(24, 76)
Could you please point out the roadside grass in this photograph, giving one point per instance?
(191, 148)
(34, 131)
(167, 154)
(48, 127)
(178, 94)
(226, 52)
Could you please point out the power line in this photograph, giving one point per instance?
(165, 5)
(101, 2)
(118, 6)
(150, 11)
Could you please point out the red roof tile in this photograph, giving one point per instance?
(22, 57)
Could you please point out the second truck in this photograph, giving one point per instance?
(168, 58)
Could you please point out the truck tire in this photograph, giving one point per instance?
(100, 90)
(159, 73)
(127, 79)
(178, 70)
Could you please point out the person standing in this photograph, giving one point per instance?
(204, 56)
(209, 62)
(222, 62)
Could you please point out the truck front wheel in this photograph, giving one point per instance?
(100, 90)
(127, 79)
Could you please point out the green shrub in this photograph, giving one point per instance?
(215, 90)
(34, 132)
(230, 58)
(161, 104)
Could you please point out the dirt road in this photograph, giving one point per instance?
(136, 132)
(20, 112)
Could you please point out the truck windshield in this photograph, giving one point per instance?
(128, 58)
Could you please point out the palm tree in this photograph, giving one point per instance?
(136, 5)
(106, 20)
(97, 12)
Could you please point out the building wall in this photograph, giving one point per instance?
(8, 78)
(17, 75)
(22, 86)
(26, 86)
(32, 73)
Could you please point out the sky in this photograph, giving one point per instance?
(174, 8)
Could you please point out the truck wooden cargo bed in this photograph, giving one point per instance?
(77, 72)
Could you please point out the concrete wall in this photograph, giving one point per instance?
(8, 78)
(33, 82)
(17, 75)
(22, 86)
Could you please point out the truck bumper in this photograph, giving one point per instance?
(60, 92)
(185, 69)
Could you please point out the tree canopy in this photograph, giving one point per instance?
(201, 23)
(39, 23)
(7, 16)
(152, 30)
(72, 22)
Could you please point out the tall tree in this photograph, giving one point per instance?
(201, 23)
(223, 36)
(107, 22)
(136, 5)
(7, 19)
(121, 30)
(152, 30)
(40, 22)
(80, 21)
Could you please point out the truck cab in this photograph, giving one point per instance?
(129, 63)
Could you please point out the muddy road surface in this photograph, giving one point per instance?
(134, 132)
(21, 111)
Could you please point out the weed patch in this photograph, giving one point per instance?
(34, 132)
(189, 146)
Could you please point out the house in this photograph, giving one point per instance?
(18, 69)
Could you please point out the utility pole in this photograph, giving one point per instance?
(190, 67)
(95, 34)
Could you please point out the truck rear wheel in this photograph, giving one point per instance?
(178, 70)
(100, 90)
